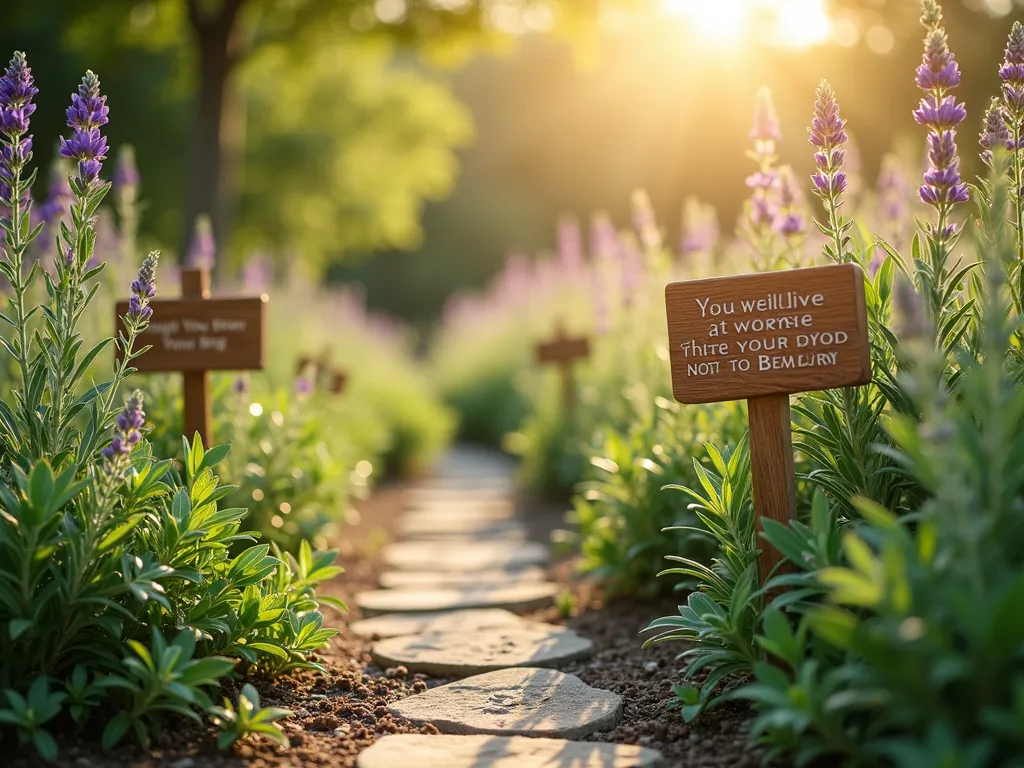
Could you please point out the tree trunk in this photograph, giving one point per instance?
(207, 190)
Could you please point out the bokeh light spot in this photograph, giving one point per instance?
(880, 39)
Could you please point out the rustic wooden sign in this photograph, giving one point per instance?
(196, 334)
(337, 380)
(563, 351)
(762, 338)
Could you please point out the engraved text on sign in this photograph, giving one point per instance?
(203, 335)
(734, 338)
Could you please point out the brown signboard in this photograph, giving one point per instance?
(562, 350)
(202, 335)
(800, 330)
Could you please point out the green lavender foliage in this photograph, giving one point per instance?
(914, 656)
(127, 589)
(897, 640)
(623, 521)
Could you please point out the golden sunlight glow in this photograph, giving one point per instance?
(790, 23)
(720, 21)
(802, 23)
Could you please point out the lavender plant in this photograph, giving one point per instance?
(893, 644)
(120, 598)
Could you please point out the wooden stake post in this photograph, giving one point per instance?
(195, 335)
(761, 338)
(564, 351)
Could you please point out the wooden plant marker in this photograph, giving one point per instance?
(761, 338)
(194, 335)
(337, 382)
(337, 379)
(563, 351)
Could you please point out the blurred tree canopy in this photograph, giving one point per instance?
(292, 123)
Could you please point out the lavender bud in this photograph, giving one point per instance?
(17, 88)
(144, 288)
(87, 113)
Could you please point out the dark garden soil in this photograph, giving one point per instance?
(342, 711)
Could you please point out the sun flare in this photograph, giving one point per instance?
(791, 23)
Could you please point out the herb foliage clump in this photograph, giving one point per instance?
(127, 591)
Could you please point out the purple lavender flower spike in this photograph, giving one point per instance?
(604, 240)
(644, 221)
(241, 385)
(828, 134)
(893, 208)
(1012, 70)
(942, 183)
(941, 114)
(126, 174)
(944, 115)
(760, 211)
(995, 132)
(876, 261)
(766, 122)
(790, 221)
(303, 386)
(632, 268)
(202, 251)
(17, 88)
(700, 227)
(144, 289)
(127, 432)
(258, 273)
(87, 113)
(570, 245)
(938, 71)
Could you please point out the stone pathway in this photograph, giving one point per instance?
(503, 752)
(447, 608)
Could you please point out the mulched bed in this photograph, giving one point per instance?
(343, 711)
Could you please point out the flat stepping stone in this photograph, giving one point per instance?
(446, 495)
(441, 525)
(419, 579)
(462, 556)
(520, 598)
(488, 483)
(510, 535)
(461, 654)
(406, 749)
(488, 510)
(396, 624)
(515, 702)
